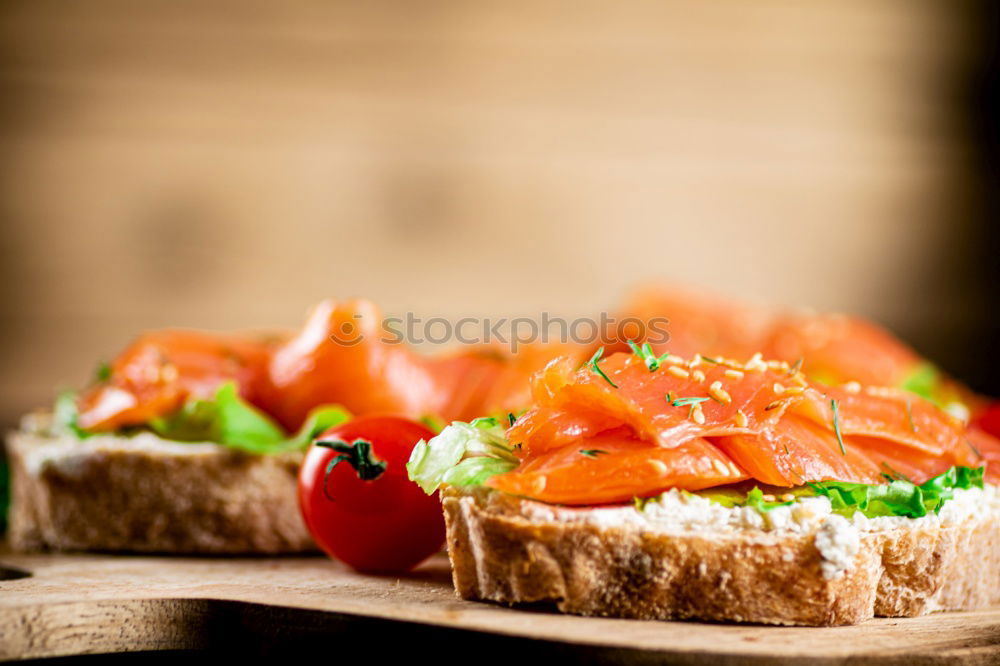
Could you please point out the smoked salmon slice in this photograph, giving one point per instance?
(917, 466)
(342, 355)
(762, 418)
(667, 406)
(799, 452)
(890, 414)
(833, 348)
(489, 379)
(617, 467)
(838, 348)
(161, 369)
(689, 321)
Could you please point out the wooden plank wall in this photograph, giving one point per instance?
(226, 164)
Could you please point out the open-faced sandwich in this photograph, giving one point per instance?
(190, 442)
(650, 485)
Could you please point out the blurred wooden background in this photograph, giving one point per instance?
(220, 164)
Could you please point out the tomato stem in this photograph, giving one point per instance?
(357, 454)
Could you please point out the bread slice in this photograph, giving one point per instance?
(146, 494)
(618, 563)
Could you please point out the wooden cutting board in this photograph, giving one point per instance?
(87, 604)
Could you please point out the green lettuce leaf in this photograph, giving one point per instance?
(899, 497)
(432, 422)
(922, 380)
(474, 471)
(732, 497)
(755, 499)
(926, 381)
(225, 419)
(230, 420)
(319, 419)
(727, 497)
(463, 454)
(103, 372)
(64, 415)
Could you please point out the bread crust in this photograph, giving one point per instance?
(499, 552)
(122, 494)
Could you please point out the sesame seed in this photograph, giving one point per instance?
(958, 411)
(800, 380)
(787, 497)
(719, 394)
(734, 374)
(795, 390)
(538, 485)
(721, 467)
(741, 419)
(778, 388)
(678, 372)
(695, 362)
(852, 387)
(768, 498)
(756, 364)
(169, 373)
(777, 365)
(658, 466)
(698, 376)
(698, 415)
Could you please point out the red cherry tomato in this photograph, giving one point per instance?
(989, 419)
(365, 511)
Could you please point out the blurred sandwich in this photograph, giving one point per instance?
(189, 442)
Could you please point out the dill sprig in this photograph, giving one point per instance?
(893, 474)
(684, 402)
(974, 448)
(836, 426)
(645, 352)
(103, 372)
(597, 369)
(909, 414)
